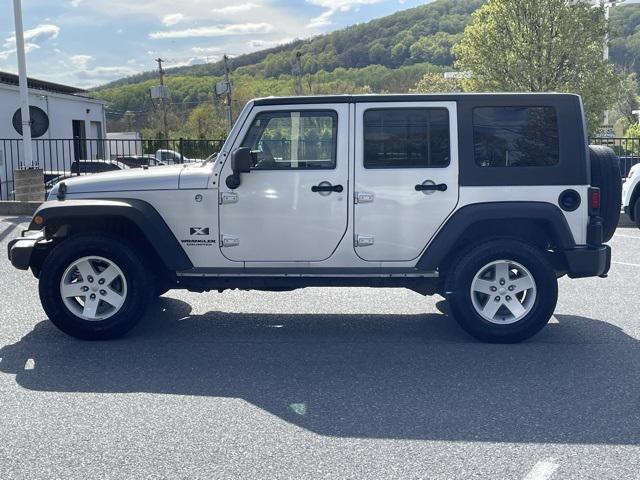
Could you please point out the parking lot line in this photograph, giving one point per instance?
(626, 264)
(543, 470)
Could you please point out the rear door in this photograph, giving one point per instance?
(406, 177)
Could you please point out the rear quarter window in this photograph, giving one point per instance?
(516, 137)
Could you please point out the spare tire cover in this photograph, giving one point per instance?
(605, 174)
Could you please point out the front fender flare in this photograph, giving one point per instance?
(139, 212)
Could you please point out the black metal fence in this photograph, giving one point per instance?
(64, 158)
(628, 149)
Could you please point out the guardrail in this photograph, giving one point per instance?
(63, 158)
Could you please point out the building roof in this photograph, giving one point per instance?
(12, 79)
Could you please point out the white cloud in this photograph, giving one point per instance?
(40, 33)
(269, 43)
(99, 75)
(99, 72)
(203, 50)
(215, 31)
(233, 9)
(172, 19)
(81, 61)
(332, 7)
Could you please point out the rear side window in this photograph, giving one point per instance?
(407, 138)
(516, 137)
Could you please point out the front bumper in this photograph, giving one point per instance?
(20, 250)
(592, 261)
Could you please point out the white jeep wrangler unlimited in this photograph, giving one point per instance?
(484, 199)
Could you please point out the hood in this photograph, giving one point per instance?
(138, 179)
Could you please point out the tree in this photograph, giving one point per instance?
(627, 103)
(436, 83)
(205, 123)
(434, 49)
(539, 46)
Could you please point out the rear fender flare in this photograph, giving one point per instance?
(447, 239)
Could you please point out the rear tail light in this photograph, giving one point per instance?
(594, 201)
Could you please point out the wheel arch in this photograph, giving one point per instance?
(538, 223)
(135, 220)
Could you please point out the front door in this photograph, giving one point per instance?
(406, 175)
(292, 206)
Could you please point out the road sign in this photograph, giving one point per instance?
(606, 131)
(457, 75)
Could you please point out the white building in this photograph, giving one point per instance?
(72, 126)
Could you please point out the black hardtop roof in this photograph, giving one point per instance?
(436, 97)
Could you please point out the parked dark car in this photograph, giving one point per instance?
(97, 166)
(137, 161)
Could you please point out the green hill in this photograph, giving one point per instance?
(387, 54)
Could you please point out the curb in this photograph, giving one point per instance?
(18, 208)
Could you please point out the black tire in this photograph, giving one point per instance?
(605, 174)
(459, 283)
(140, 286)
(636, 212)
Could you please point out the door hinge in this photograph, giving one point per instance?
(364, 240)
(227, 198)
(365, 197)
(228, 241)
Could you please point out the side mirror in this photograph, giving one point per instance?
(241, 162)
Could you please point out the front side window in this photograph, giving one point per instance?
(293, 140)
(407, 138)
(516, 137)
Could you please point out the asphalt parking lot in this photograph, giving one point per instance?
(324, 383)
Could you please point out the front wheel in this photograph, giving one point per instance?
(95, 287)
(503, 291)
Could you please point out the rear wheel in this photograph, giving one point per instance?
(636, 212)
(95, 287)
(503, 291)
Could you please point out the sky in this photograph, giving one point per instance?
(85, 43)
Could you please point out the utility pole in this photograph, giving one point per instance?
(228, 94)
(24, 87)
(298, 74)
(163, 99)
